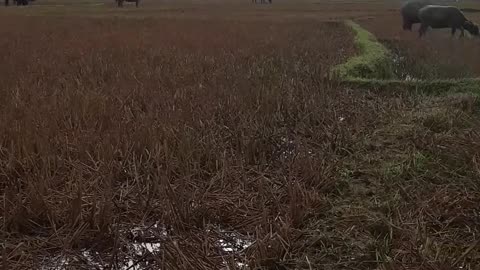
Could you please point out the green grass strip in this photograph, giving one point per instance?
(372, 62)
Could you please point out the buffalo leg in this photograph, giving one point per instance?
(422, 30)
(462, 32)
(453, 31)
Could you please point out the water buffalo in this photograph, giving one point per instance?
(409, 11)
(262, 1)
(120, 2)
(17, 2)
(437, 17)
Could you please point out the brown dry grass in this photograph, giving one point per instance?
(202, 126)
(181, 122)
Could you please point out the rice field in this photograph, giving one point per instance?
(208, 135)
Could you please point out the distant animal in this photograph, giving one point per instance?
(437, 17)
(409, 12)
(17, 2)
(262, 1)
(120, 2)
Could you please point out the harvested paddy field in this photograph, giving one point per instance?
(208, 135)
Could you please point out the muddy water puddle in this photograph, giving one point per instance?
(143, 247)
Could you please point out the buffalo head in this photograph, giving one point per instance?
(471, 28)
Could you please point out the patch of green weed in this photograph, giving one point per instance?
(412, 164)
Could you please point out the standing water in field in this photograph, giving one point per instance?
(143, 247)
(402, 69)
